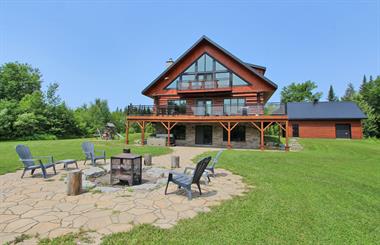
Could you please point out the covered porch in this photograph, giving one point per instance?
(225, 123)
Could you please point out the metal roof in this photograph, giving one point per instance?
(324, 110)
(205, 38)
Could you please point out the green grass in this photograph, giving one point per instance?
(68, 149)
(327, 194)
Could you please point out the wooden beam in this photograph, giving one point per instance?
(279, 124)
(127, 132)
(142, 125)
(229, 135)
(234, 126)
(287, 136)
(223, 126)
(163, 124)
(168, 128)
(262, 135)
(254, 124)
(171, 127)
(268, 125)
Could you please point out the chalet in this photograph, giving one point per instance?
(210, 97)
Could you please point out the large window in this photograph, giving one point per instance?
(206, 69)
(176, 107)
(237, 134)
(233, 106)
(179, 132)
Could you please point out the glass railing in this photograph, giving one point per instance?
(198, 85)
(207, 110)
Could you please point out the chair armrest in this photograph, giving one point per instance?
(188, 168)
(48, 157)
(102, 151)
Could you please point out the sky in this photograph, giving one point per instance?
(114, 49)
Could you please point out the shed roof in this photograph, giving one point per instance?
(324, 110)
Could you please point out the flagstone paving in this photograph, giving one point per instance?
(33, 205)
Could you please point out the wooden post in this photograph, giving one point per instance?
(127, 133)
(74, 182)
(262, 136)
(175, 162)
(287, 136)
(168, 133)
(142, 126)
(229, 136)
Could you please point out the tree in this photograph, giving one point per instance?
(300, 92)
(363, 85)
(331, 95)
(18, 80)
(350, 93)
(51, 95)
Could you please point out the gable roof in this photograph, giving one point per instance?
(324, 110)
(205, 38)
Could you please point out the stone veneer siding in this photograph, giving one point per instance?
(252, 136)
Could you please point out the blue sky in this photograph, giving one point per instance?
(113, 49)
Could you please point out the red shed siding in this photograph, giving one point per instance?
(325, 129)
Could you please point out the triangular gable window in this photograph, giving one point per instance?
(206, 68)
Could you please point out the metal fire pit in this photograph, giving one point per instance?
(126, 167)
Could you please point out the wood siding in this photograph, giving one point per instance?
(325, 129)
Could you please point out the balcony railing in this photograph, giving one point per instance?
(203, 85)
(226, 110)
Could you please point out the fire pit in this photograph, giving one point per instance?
(126, 167)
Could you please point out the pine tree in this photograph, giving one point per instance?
(370, 78)
(350, 93)
(331, 95)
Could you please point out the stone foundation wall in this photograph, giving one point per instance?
(252, 136)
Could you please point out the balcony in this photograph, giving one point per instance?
(203, 86)
(269, 109)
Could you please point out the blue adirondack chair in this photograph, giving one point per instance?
(215, 160)
(208, 169)
(30, 162)
(185, 181)
(89, 150)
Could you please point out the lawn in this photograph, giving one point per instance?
(327, 194)
(68, 149)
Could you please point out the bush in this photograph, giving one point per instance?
(39, 137)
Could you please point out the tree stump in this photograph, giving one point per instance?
(147, 160)
(74, 182)
(175, 161)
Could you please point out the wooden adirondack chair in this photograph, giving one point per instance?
(185, 181)
(89, 150)
(30, 162)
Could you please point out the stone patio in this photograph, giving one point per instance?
(33, 205)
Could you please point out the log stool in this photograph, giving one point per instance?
(74, 183)
(147, 160)
(175, 161)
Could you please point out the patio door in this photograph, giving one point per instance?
(204, 108)
(203, 135)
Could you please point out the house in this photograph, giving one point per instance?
(325, 120)
(209, 97)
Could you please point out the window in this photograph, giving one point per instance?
(233, 106)
(173, 85)
(206, 68)
(176, 107)
(237, 134)
(179, 132)
(237, 81)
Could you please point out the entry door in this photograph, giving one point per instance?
(295, 129)
(204, 107)
(203, 135)
(343, 131)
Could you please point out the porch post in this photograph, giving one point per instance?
(262, 135)
(142, 126)
(287, 136)
(127, 133)
(168, 134)
(229, 136)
